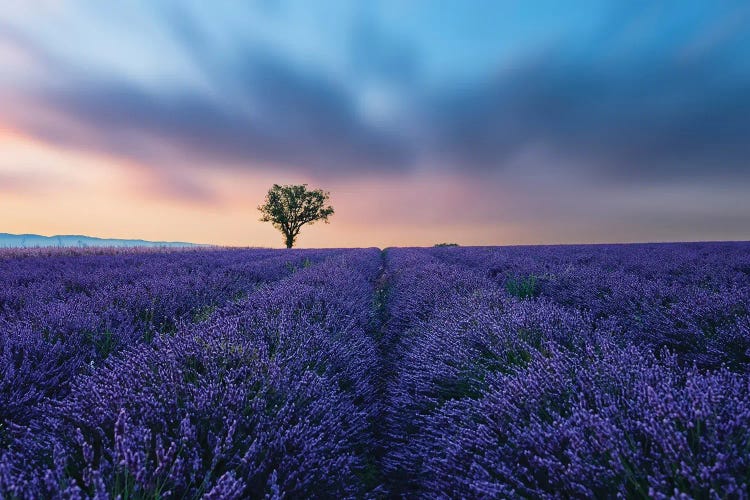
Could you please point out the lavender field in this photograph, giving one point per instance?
(457, 372)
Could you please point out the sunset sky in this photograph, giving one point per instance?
(428, 121)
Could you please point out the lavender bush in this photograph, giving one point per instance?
(593, 423)
(188, 416)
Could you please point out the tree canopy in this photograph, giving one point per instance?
(289, 207)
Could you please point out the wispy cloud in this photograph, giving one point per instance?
(249, 101)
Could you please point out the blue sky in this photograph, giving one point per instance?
(553, 121)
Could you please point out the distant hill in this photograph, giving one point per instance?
(74, 240)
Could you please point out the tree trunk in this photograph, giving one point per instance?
(289, 240)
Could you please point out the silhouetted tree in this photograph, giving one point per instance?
(290, 207)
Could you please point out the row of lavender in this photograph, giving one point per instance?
(262, 394)
(692, 298)
(569, 371)
(61, 315)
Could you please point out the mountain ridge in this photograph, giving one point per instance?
(9, 240)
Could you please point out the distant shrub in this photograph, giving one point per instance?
(446, 244)
(523, 287)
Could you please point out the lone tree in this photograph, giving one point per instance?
(290, 207)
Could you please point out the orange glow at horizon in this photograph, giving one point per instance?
(48, 190)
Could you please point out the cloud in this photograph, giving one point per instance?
(15, 182)
(289, 118)
(643, 113)
(24, 183)
(263, 110)
(648, 119)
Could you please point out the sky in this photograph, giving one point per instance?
(475, 122)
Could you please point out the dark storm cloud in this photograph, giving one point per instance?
(641, 118)
(296, 120)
